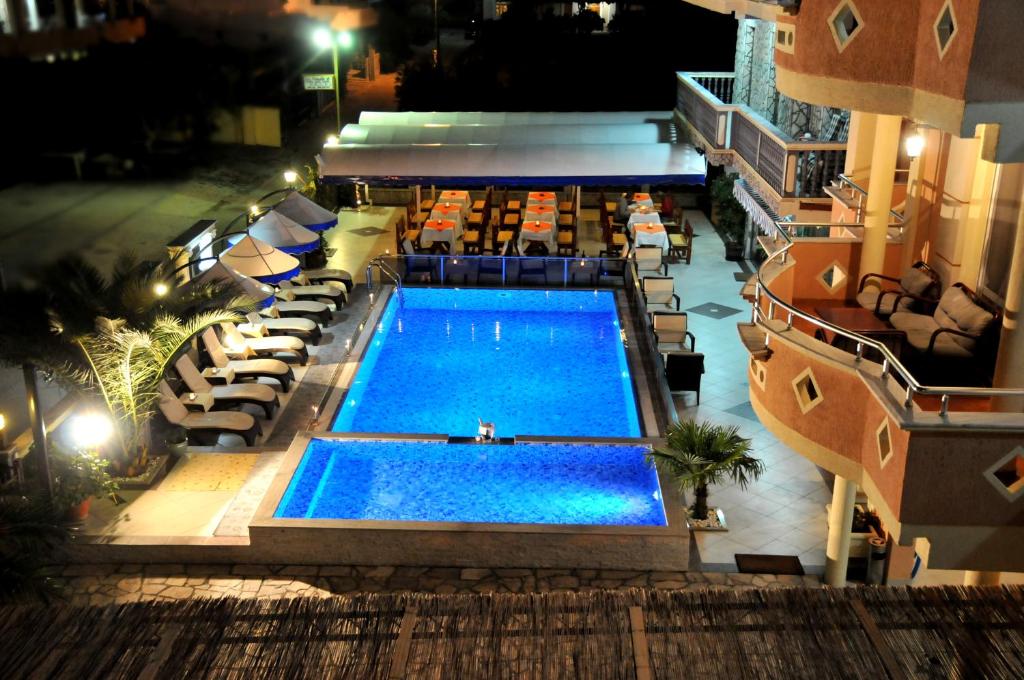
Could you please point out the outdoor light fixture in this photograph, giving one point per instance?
(322, 38)
(914, 145)
(332, 140)
(160, 289)
(345, 40)
(290, 176)
(3, 435)
(90, 430)
(254, 209)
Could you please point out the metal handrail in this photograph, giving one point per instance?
(846, 179)
(890, 364)
(385, 270)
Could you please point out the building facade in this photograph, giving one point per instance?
(918, 412)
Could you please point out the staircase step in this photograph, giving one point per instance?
(753, 338)
(749, 290)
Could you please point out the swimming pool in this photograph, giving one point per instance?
(533, 362)
(429, 481)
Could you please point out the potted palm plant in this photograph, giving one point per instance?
(729, 215)
(697, 455)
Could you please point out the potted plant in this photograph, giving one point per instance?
(730, 217)
(696, 455)
(176, 441)
(77, 478)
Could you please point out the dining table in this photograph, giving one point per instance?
(542, 213)
(460, 198)
(449, 211)
(643, 215)
(640, 199)
(536, 230)
(651, 234)
(541, 198)
(439, 230)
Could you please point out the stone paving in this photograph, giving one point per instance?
(102, 584)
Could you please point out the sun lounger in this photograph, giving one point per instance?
(205, 428)
(321, 275)
(298, 326)
(288, 307)
(227, 396)
(265, 346)
(336, 294)
(247, 368)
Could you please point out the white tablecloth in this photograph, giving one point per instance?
(456, 197)
(541, 198)
(449, 235)
(549, 236)
(657, 238)
(541, 213)
(452, 212)
(639, 217)
(642, 199)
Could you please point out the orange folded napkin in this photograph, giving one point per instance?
(541, 195)
(641, 197)
(447, 208)
(541, 208)
(536, 227)
(649, 227)
(439, 225)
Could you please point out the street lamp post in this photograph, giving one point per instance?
(323, 38)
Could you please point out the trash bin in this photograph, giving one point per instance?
(877, 555)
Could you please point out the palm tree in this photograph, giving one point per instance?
(112, 337)
(699, 454)
(127, 365)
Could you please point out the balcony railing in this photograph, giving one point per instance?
(769, 307)
(792, 168)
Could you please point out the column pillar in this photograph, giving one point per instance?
(981, 578)
(840, 526)
(859, 143)
(976, 222)
(879, 202)
(1009, 370)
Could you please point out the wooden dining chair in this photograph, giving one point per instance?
(475, 235)
(570, 205)
(567, 242)
(680, 242)
(427, 204)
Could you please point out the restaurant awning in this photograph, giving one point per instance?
(527, 135)
(281, 232)
(513, 164)
(511, 117)
(309, 214)
(260, 260)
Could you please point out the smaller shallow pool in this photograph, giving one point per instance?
(505, 484)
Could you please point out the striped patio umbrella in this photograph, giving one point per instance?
(309, 214)
(282, 233)
(261, 261)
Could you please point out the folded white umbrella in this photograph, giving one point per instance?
(260, 260)
(309, 214)
(283, 233)
(249, 287)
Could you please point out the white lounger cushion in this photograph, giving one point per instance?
(301, 306)
(278, 324)
(325, 290)
(277, 343)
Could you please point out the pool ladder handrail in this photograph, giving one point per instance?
(385, 270)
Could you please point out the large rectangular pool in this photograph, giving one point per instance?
(427, 481)
(533, 362)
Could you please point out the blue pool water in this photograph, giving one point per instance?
(530, 361)
(437, 482)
